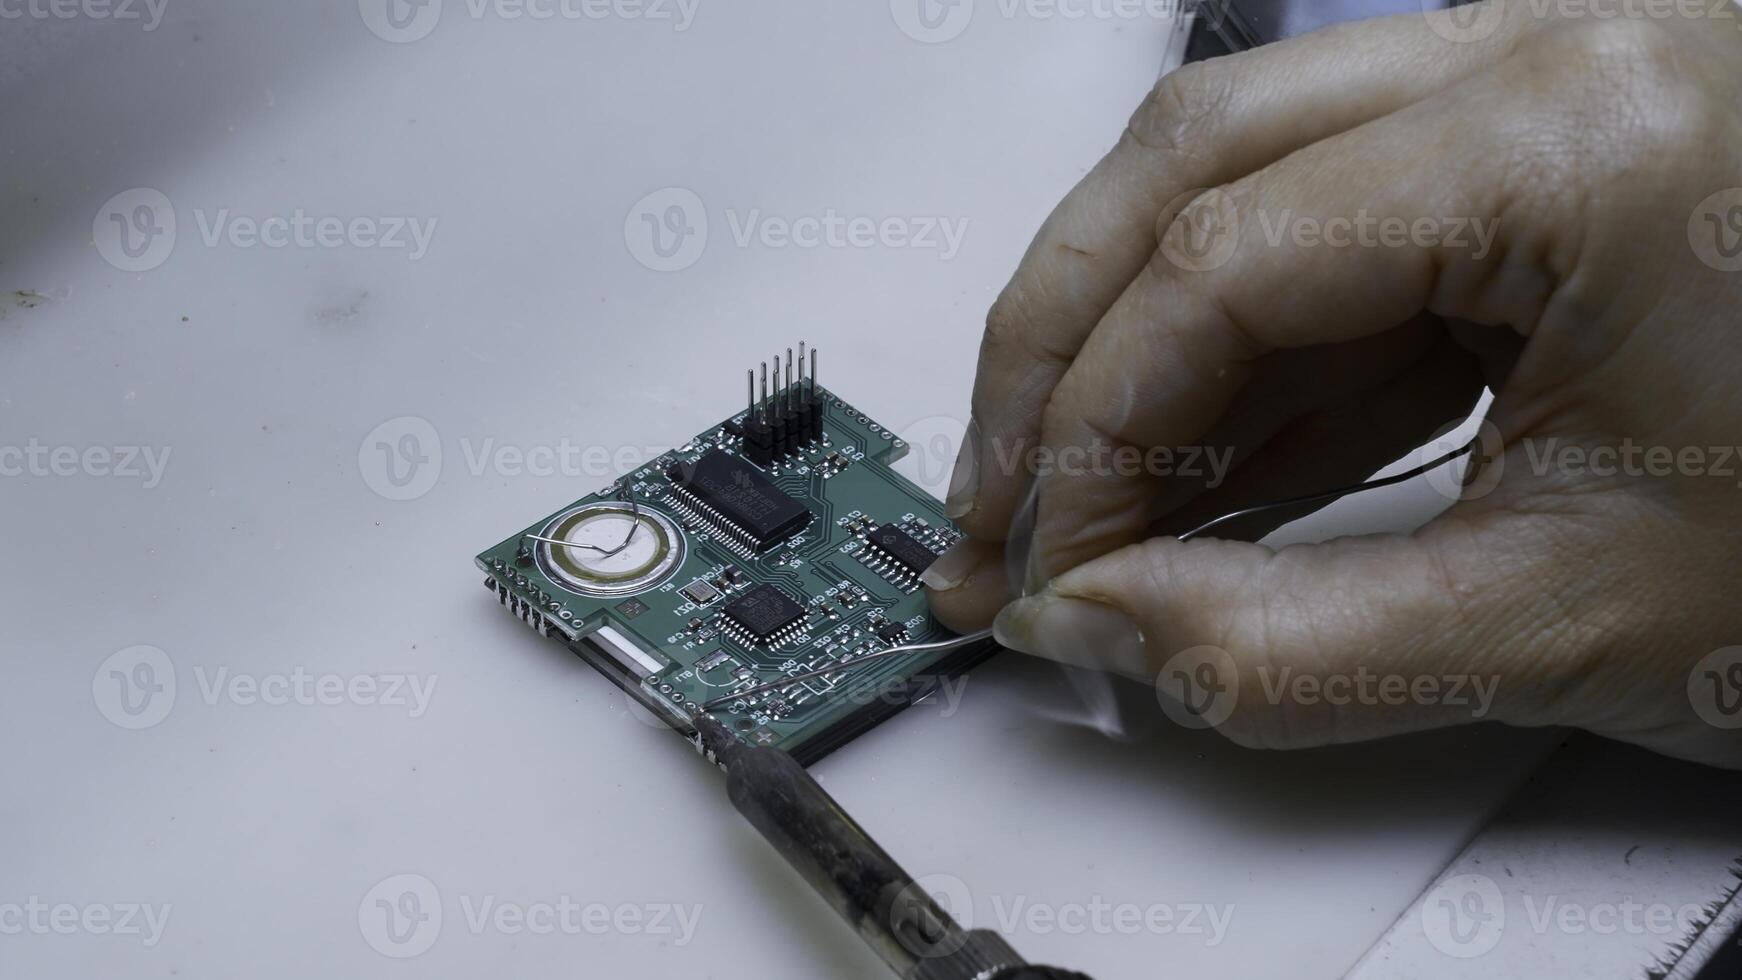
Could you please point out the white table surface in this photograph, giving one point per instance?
(263, 550)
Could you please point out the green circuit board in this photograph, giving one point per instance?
(726, 585)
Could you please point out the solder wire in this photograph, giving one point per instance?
(1337, 494)
(634, 522)
(791, 679)
(986, 634)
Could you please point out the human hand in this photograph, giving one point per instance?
(1567, 194)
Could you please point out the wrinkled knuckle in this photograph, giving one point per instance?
(1571, 629)
(1623, 105)
(1632, 38)
(1616, 74)
(1004, 321)
(1010, 330)
(1180, 106)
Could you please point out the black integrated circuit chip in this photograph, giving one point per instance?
(739, 493)
(892, 632)
(902, 548)
(764, 612)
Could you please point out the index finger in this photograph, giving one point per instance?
(1464, 206)
(1204, 125)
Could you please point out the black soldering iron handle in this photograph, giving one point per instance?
(895, 916)
(1038, 973)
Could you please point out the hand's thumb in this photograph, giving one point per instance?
(1314, 644)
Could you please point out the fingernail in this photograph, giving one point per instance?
(1035, 577)
(954, 566)
(1073, 631)
(965, 480)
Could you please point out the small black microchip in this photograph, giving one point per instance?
(902, 548)
(891, 632)
(764, 611)
(740, 493)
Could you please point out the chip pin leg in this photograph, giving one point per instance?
(816, 402)
(794, 436)
(757, 437)
(777, 415)
(804, 433)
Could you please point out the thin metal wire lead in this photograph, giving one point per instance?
(634, 523)
(791, 679)
(1336, 494)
